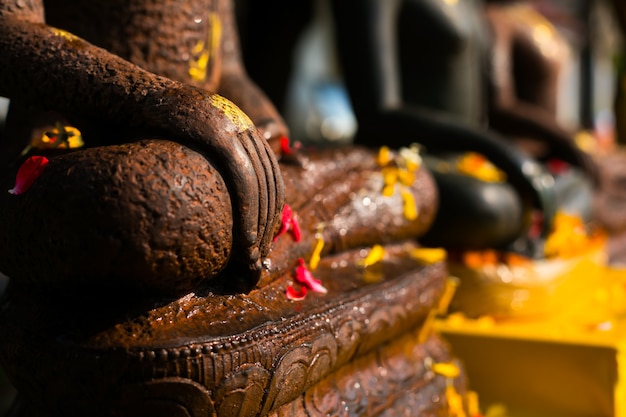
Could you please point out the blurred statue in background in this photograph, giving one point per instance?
(457, 76)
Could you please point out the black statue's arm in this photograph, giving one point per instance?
(527, 121)
(368, 52)
(59, 71)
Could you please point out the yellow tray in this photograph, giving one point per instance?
(570, 362)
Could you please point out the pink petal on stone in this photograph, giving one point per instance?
(284, 221)
(295, 229)
(285, 147)
(288, 223)
(28, 173)
(304, 277)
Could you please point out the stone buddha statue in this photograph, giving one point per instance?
(188, 260)
(113, 94)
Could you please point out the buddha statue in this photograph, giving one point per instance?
(188, 260)
(116, 84)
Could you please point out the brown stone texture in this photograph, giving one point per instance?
(145, 279)
(94, 87)
(156, 216)
(394, 380)
(227, 355)
(119, 217)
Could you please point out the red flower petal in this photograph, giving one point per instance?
(285, 148)
(557, 166)
(288, 223)
(304, 277)
(294, 295)
(295, 229)
(284, 221)
(28, 173)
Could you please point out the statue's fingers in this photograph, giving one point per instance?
(275, 193)
(279, 187)
(264, 191)
(241, 176)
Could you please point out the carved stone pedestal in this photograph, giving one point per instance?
(360, 349)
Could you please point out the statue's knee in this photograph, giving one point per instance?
(151, 215)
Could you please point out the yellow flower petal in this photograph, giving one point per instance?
(406, 177)
(455, 402)
(448, 293)
(427, 327)
(473, 404)
(317, 253)
(569, 237)
(384, 156)
(198, 48)
(389, 190)
(447, 369)
(410, 209)
(64, 34)
(476, 165)
(390, 175)
(203, 52)
(429, 255)
(371, 276)
(375, 255)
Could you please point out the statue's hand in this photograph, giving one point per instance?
(218, 129)
(87, 82)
